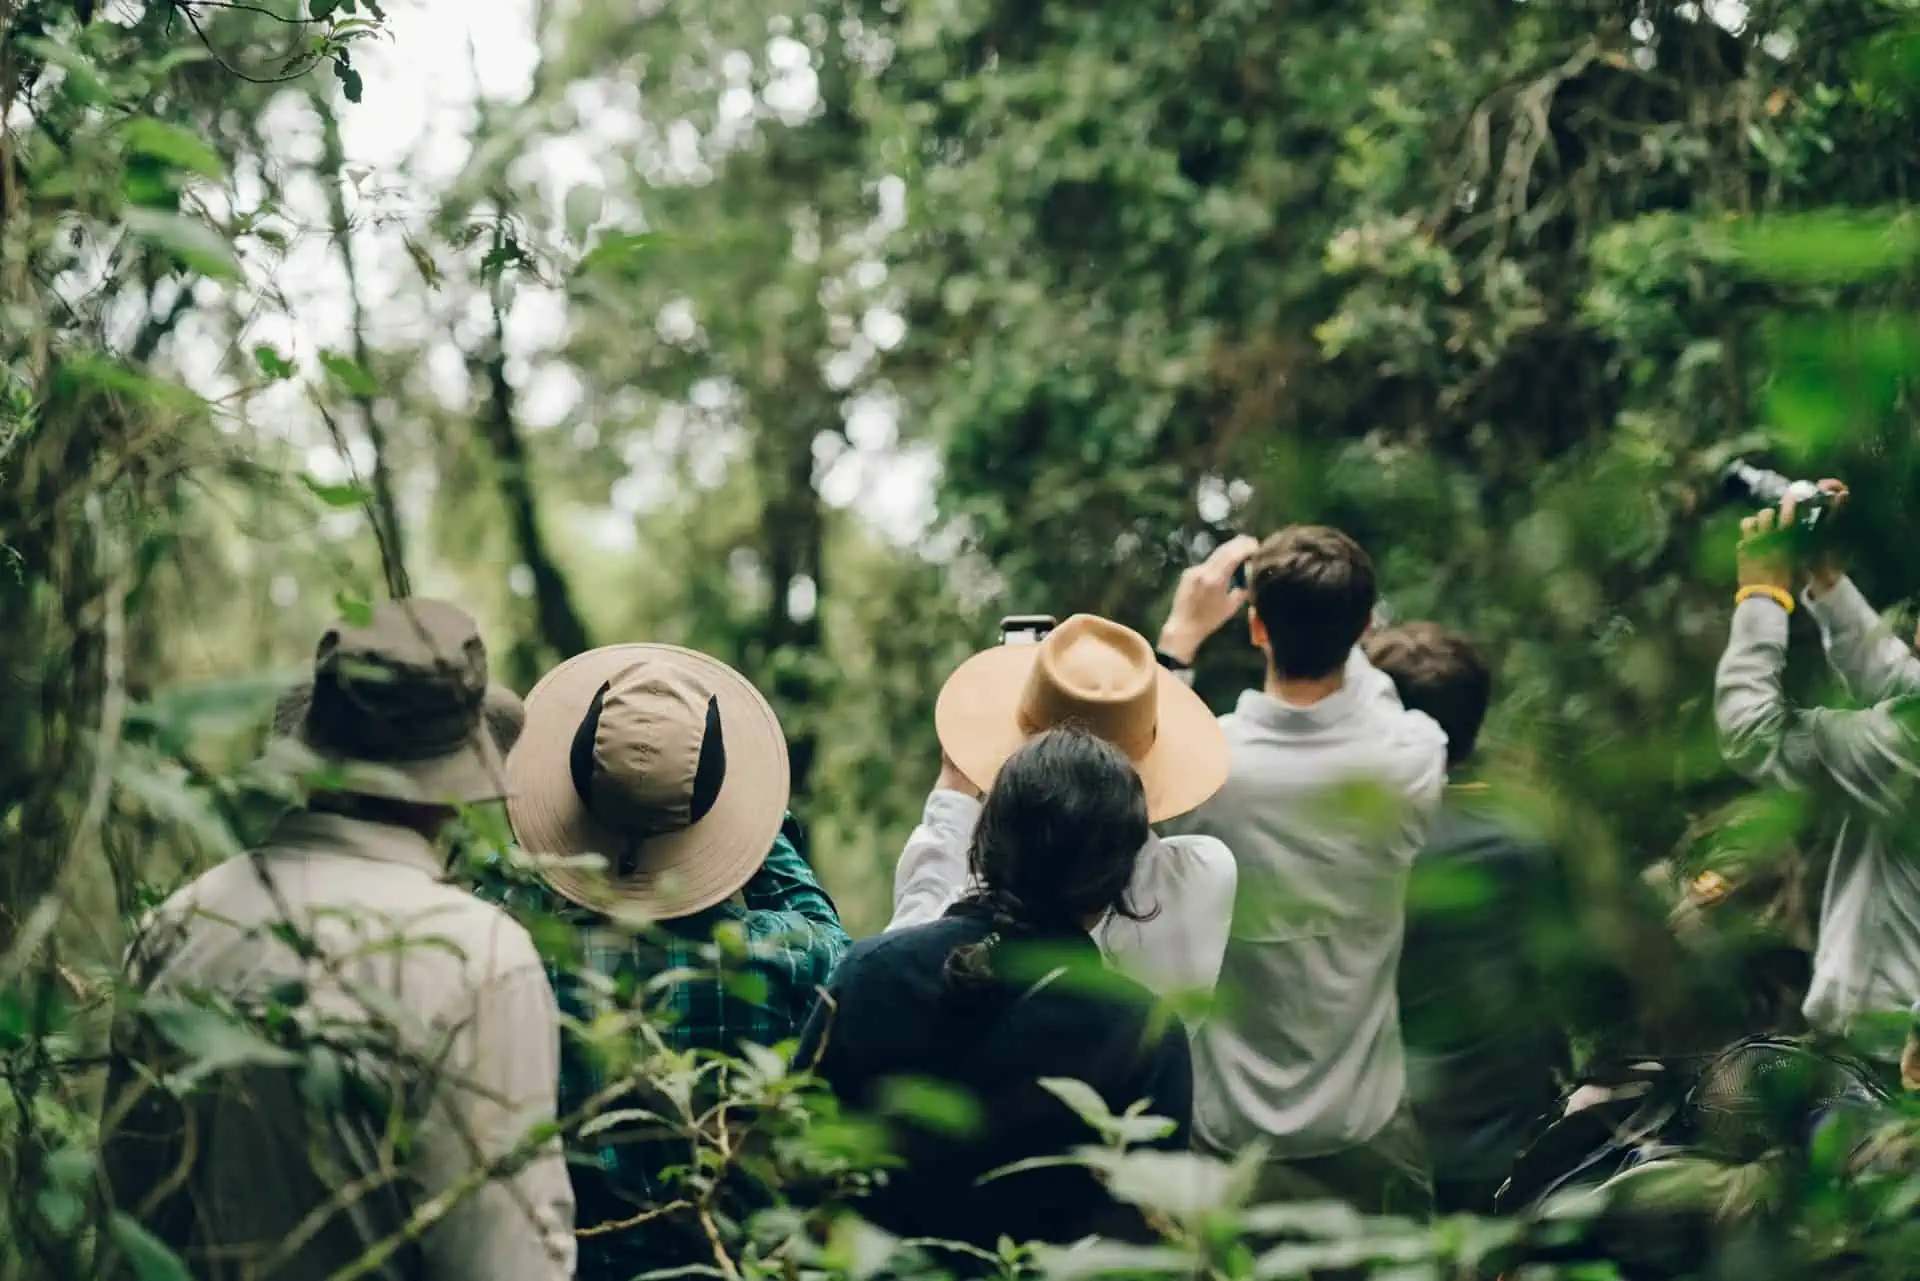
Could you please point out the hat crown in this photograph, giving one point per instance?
(647, 746)
(407, 683)
(1099, 676)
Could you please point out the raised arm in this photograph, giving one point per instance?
(790, 914)
(932, 872)
(1875, 664)
(1865, 752)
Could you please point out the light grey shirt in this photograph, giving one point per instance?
(433, 998)
(1867, 958)
(1324, 811)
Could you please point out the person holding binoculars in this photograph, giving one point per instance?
(1866, 965)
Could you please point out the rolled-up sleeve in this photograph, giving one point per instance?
(517, 1225)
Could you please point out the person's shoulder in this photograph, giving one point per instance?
(489, 941)
(895, 949)
(1472, 828)
(1404, 727)
(1194, 853)
(1410, 744)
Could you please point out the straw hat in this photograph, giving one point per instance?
(666, 763)
(1101, 677)
(396, 709)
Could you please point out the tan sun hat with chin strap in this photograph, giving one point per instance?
(665, 763)
(1100, 677)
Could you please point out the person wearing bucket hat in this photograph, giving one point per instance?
(651, 783)
(1100, 676)
(1333, 788)
(345, 915)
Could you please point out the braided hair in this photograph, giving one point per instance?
(1055, 846)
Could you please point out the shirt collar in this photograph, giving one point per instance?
(1268, 712)
(314, 832)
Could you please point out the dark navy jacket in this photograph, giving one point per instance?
(1055, 1011)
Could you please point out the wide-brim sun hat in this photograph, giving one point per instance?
(396, 710)
(1098, 676)
(665, 763)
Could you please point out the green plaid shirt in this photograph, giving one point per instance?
(782, 937)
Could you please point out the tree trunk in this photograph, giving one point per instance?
(793, 536)
(559, 631)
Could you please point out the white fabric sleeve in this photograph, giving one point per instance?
(1185, 886)
(932, 872)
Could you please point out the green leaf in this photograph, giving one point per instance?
(353, 609)
(356, 381)
(146, 1257)
(176, 712)
(172, 146)
(618, 1117)
(272, 363)
(766, 1065)
(1083, 1099)
(61, 1209)
(216, 1041)
(321, 10)
(1097, 1258)
(347, 495)
(1182, 1184)
(71, 1166)
(100, 373)
(615, 254)
(934, 1104)
(1826, 247)
(350, 82)
(83, 79)
(196, 245)
(162, 788)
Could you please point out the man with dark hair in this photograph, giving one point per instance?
(1441, 673)
(1313, 596)
(1332, 789)
(1484, 1049)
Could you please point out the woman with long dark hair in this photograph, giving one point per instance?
(1005, 990)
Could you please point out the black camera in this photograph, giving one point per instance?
(1762, 488)
(1026, 629)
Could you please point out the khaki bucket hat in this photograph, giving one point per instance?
(1102, 678)
(664, 762)
(504, 714)
(396, 709)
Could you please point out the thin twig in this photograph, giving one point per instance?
(645, 1216)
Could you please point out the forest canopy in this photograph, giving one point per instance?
(818, 336)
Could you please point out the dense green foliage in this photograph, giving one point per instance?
(1496, 285)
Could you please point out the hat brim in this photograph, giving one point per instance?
(978, 721)
(686, 871)
(472, 775)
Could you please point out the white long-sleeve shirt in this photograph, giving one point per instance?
(1185, 882)
(1867, 958)
(1325, 810)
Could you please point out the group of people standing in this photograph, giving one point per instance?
(1108, 884)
